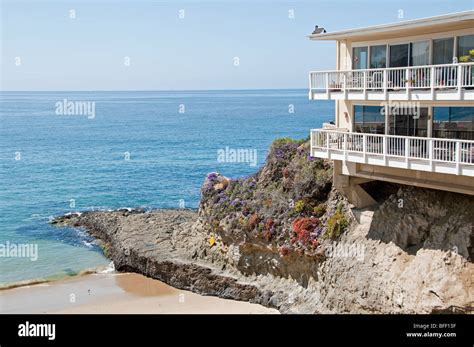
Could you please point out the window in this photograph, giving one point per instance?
(369, 119)
(378, 57)
(453, 122)
(466, 48)
(419, 53)
(399, 55)
(359, 58)
(443, 51)
(408, 121)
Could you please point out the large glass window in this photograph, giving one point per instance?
(453, 122)
(443, 51)
(399, 55)
(466, 48)
(408, 121)
(378, 57)
(419, 53)
(369, 119)
(359, 58)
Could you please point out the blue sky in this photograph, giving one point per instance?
(57, 52)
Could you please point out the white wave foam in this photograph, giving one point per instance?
(109, 269)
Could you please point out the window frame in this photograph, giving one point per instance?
(387, 42)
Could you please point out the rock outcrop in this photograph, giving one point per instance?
(159, 244)
(285, 239)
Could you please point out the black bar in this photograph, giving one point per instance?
(317, 330)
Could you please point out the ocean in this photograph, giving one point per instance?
(139, 149)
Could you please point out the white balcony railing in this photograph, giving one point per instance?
(433, 78)
(418, 153)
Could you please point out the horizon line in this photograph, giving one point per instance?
(149, 90)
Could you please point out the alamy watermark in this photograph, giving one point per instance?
(346, 250)
(401, 108)
(75, 108)
(19, 250)
(239, 155)
(28, 329)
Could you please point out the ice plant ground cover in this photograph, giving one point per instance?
(283, 204)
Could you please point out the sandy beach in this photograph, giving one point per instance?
(117, 293)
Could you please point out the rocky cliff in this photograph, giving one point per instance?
(285, 239)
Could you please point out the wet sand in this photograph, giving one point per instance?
(117, 293)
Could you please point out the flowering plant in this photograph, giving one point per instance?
(306, 231)
(212, 176)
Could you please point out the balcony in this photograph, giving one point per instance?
(418, 83)
(447, 156)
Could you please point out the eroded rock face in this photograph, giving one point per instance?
(161, 244)
(244, 242)
(421, 218)
(362, 274)
(387, 279)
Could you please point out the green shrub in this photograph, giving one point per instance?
(336, 224)
(299, 206)
(285, 140)
(319, 210)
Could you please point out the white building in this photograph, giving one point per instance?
(404, 95)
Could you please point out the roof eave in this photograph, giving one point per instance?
(394, 27)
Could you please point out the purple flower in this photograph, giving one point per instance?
(318, 231)
(279, 153)
(222, 199)
(235, 202)
(212, 176)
